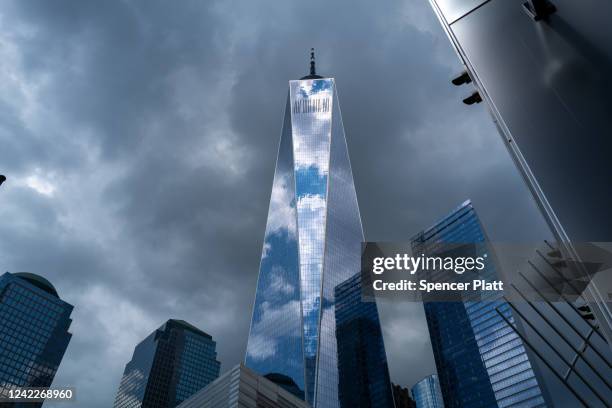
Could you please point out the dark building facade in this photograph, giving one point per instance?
(481, 361)
(34, 335)
(167, 367)
(549, 95)
(312, 244)
(402, 398)
(363, 374)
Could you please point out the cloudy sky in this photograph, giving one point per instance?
(139, 141)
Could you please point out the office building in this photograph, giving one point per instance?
(34, 335)
(543, 68)
(167, 367)
(243, 388)
(312, 243)
(427, 394)
(402, 398)
(363, 374)
(481, 362)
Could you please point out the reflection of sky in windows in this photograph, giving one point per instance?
(308, 181)
(293, 327)
(311, 138)
(33, 334)
(275, 340)
(492, 342)
(312, 88)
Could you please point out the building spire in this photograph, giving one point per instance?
(313, 70)
(312, 62)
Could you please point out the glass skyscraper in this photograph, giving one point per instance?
(363, 374)
(34, 335)
(481, 362)
(427, 394)
(312, 243)
(171, 364)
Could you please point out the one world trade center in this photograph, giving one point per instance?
(312, 244)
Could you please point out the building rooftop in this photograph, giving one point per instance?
(38, 281)
(188, 326)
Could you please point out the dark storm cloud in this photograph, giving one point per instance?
(140, 137)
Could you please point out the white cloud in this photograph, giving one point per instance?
(275, 322)
(42, 186)
(281, 215)
(311, 220)
(261, 346)
(278, 284)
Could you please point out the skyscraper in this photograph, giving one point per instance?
(427, 394)
(167, 367)
(312, 243)
(34, 335)
(363, 374)
(481, 362)
(240, 387)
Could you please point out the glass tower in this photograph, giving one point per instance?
(34, 335)
(312, 243)
(481, 362)
(427, 394)
(363, 374)
(167, 367)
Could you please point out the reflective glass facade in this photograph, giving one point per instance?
(362, 362)
(312, 243)
(427, 394)
(34, 335)
(481, 362)
(170, 365)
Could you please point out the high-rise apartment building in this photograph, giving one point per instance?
(481, 362)
(427, 394)
(312, 243)
(167, 367)
(34, 335)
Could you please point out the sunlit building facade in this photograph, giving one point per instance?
(34, 335)
(168, 366)
(426, 393)
(312, 243)
(481, 361)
